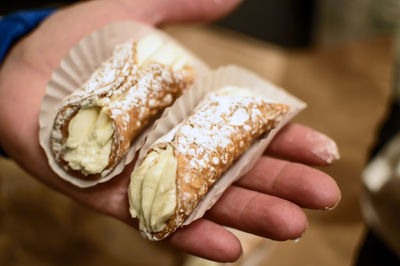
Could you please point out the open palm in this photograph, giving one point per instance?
(267, 201)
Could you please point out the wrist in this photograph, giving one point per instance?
(12, 28)
(16, 25)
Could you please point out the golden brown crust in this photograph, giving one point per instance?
(202, 160)
(145, 91)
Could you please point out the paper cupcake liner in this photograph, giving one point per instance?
(225, 76)
(75, 68)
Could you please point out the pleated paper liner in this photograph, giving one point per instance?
(75, 68)
(165, 127)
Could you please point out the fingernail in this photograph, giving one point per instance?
(336, 204)
(323, 147)
(296, 240)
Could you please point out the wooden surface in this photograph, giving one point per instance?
(347, 90)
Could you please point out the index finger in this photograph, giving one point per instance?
(302, 144)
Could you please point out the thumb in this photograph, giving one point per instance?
(193, 10)
(58, 33)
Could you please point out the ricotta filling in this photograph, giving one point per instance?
(89, 141)
(152, 192)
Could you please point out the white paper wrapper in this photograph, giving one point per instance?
(181, 109)
(76, 68)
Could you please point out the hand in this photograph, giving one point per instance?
(267, 201)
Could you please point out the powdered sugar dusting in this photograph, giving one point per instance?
(217, 132)
(129, 93)
(214, 124)
(145, 92)
(207, 142)
(110, 75)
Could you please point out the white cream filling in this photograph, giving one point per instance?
(235, 91)
(146, 47)
(152, 191)
(152, 49)
(89, 141)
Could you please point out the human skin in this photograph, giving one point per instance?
(267, 201)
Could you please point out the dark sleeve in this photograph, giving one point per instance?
(16, 25)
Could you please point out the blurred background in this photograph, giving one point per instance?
(337, 55)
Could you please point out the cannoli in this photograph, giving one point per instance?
(179, 168)
(95, 125)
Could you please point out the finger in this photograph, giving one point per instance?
(201, 238)
(302, 144)
(194, 10)
(208, 240)
(259, 214)
(303, 185)
(97, 14)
